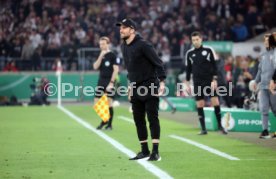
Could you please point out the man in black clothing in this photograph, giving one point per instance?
(201, 63)
(272, 84)
(108, 65)
(146, 72)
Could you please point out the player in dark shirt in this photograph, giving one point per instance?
(108, 65)
(201, 63)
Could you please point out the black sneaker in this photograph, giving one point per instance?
(108, 128)
(154, 157)
(141, 155)
(203, 132)
(265, 134)
(223, 131)
(101, 125)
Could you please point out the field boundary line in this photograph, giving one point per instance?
(147, 165)
(204, 147)
(127, 119)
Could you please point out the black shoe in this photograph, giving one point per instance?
(173, 110)
(223, 131)
(141, 155)
(101, 125)
(265, 134)
(154, 157)
(203, 132)
(108, 127)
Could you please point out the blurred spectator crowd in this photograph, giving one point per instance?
(33, 31)
(237, 74)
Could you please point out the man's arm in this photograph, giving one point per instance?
(151, 54)
(258, 76)
(115, 65)
(188, 63)
(212, 58)
(115, 73)
(274, 77)
(98, 62)
(188, 67)
(272, 84)
(213, 61)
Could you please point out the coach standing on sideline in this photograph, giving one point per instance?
(200, 61)
(144, 68)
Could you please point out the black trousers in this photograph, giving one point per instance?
(102, 88)
(146, 105)
(203, 89)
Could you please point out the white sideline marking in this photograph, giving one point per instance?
(268, 159)
(147, 165)
(126, 119)
(130, 120)
(205, 147)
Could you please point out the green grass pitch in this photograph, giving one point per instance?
(43, 142)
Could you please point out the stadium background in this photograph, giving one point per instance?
(36, 34)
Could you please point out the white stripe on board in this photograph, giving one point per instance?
(205, 147)
(13, 84)
(126, 119)
(147, 165)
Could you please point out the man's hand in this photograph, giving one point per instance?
(254, 86)
(98, 62)
(129, 93)
(103, 52)
(214, 85)
(246, 74)
(272, 87)
(188, 87)
(161, 88)
(110, 86)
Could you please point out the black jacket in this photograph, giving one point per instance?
(274, 76)
(201, 63)
(142, 61)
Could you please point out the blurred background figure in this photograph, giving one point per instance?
(10, 67)
(40, 91)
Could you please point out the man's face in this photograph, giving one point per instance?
(196, 41)
(103, 45)
(125, 32)
(266, 43)
(274, 35)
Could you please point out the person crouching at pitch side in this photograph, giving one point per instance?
(200, 61)
(108, 65)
